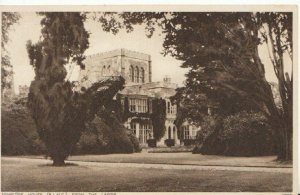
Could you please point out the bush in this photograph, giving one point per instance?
(100, 138)
(242, 134)
(247, 134)
(151, 143)
(18, 130)
(188, 142)
(207, 140)
(170, 142)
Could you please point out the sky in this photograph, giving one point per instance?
(29, 28)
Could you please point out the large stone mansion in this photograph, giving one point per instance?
(139, 90)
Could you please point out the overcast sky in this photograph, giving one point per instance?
(29, 29)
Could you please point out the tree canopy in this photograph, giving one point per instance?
(8, 20)
(221, 51)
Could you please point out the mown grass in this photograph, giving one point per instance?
(31, 176)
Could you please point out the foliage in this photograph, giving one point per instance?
(221, 50)
(18, 130)
(99, 138)
(208, 126)
(158, 117)
(247, 134)
(124, 113)
(241, 134)
(278, 36)
(8, 20)
(59, 112)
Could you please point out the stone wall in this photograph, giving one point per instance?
(114, 63)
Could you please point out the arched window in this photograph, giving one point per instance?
(174, 132)
(169, 108)
(142, 75)
(104, 71)
(169, 133)
(136, 74)
(108, 71)
(131, 74)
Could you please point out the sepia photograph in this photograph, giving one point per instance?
(154, 99)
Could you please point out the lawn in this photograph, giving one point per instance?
(186, 158)
(36, 175)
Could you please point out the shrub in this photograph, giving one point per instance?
(247, 134)
(151, 143)
(242, 134)
(18, 130)
(101, 138)
(170, 142)
(207, 140)
(188, 142)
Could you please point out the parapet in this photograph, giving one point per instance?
(120, 52)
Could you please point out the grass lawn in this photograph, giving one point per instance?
(186, 158)
(36, 175)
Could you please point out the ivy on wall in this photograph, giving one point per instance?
(157, 116)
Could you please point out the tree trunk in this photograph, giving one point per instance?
(58, 161)
(284, 142)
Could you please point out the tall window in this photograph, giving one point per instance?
(104, 71)
(186, 132)
(142, 75)
(133, 127)
(136, 74)
(145, 133)
(150, 106)
(169, 133)
(144, 106)
(132, 105)
(169, 108)
(139, 105)
(173, 109)
(108, 71)
(174, 132)
(131, 74)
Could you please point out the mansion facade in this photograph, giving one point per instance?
(139, 93)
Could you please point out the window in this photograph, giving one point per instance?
(145, 106)
(150, 106)
(136, 74)
(145, 133)
(108, 73)
(169, 132)
(173, 109)
(131, 74)
(138, 105)
(174, 132)
(132, 105)
(186, 132)
(133, 127)
(104, 71)
(142, 75)
(169, 108)
(194, 133)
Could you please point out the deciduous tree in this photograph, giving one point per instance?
(221, 50)
(8, 20)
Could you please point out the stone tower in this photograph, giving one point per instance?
(135, 67)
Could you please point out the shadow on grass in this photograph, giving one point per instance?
(65, 165)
